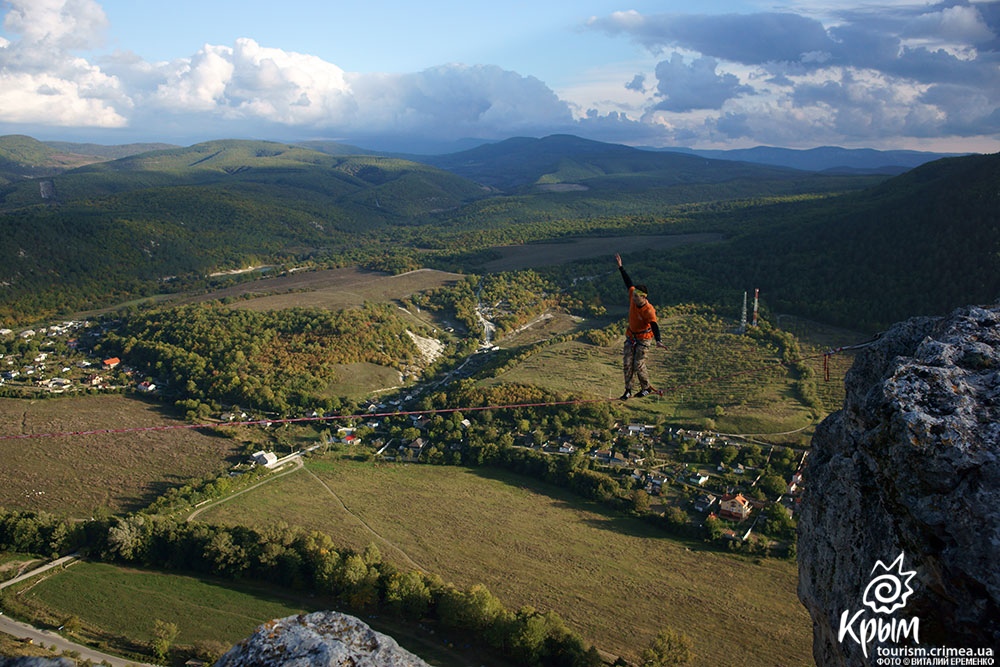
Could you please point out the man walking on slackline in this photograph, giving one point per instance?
(642, 331)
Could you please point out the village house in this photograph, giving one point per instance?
(233, 415)
(735, 507)
(655, 482)
(112, 362)
(704, 502)
(266, 459)
(411, 451)
(795, 484)
(347, 435)
(610, 457)
(698, 479)
(634, 430)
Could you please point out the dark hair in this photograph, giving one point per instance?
(642, 288)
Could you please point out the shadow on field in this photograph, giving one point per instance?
(593, 513)
(150, 492)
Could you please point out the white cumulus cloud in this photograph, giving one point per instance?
(861, 73)
(57, 24)
(41, 81)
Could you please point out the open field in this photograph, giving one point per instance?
(332, 289)
(537, 255)
(358, 381)
(615, 580)
(707, 373)
(115, 605)
(202, 609)
(543, 327)
(76, 475)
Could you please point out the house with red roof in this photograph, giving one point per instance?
(735, 507)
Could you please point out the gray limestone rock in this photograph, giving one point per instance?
(320, 639)
(900, 516)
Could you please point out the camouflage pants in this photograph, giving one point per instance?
(634, 362)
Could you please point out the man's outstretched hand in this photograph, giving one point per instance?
(618, 258)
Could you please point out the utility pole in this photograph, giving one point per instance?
(756, 294)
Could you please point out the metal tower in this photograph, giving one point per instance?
(743, 316)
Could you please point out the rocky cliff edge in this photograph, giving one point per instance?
(320, 639)
(899, 533)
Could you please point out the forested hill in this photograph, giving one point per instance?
(566, 159)
(921, 243)
(25, 157)
(255, 170)
(827, 158)
(862, 252)
(160, 219)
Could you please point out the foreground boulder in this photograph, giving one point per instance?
(899, 534)
(320, 639)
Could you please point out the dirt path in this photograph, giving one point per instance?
(371, 530)
(299, 465)
(296, 463)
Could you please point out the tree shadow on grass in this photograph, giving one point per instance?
(606, 518)
(150, 492)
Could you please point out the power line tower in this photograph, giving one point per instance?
(743, 316)
(756, 294)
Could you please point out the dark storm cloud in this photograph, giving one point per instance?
(684, 87)
(742, 38)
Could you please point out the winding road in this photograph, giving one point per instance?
(47, 638)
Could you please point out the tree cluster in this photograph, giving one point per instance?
(277, 362)
(309, 560)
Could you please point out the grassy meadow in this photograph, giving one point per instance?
(128, 602)
(117, 607)
(78, 475)
(615, 580)
(333, 289)
(710, 377)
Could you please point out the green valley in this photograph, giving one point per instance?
(387, 385)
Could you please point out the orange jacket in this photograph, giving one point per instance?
(640, 320)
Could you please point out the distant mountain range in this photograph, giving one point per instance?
(561, 159)
(84, 225)
(507, 163)
(826, 158)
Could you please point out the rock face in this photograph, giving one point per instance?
(899, 534)
(320, 639)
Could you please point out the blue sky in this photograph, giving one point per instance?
(394, 74)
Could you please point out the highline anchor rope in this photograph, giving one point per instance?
(404, 413)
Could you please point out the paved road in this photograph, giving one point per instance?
(47, 638)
